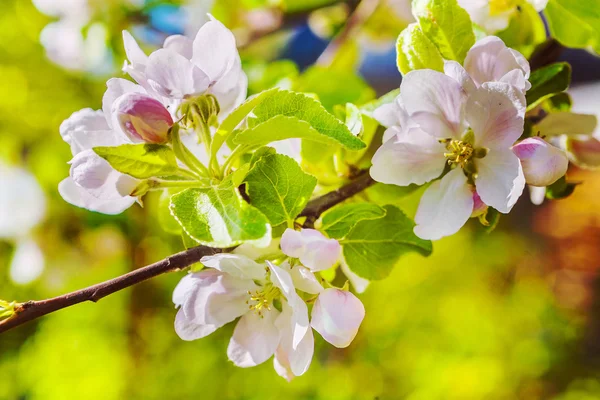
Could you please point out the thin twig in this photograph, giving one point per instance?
(31, 310)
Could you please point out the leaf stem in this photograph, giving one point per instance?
(185, 155)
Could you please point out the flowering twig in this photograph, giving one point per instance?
(30, 310)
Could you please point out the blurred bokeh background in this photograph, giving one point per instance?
(510, 315)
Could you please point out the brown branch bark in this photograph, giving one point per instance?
(31, 310)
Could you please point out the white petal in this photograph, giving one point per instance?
(186, 329)
(236, 265)
(27, 263)
(358, 283)
(305, 281)
(183, 288)
(133, 51)
(403, 163)
(489, 60)
(337, 315)
(496, 120)
(314, 250)
(231, 90)
(537, 195)
(295, 360)
(539, 5)
(78, 196)
(435, 101)
(283, 281)
(460, 75)
(543, 164)
(392, 114)
(215, 51)
(500, 180)
(254, 339)
(180, 44)
(174, 76)
(445, 207)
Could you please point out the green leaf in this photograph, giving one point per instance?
(338, 221)
(334, 86)
(575, 23)
(548, 81)
(561, 189)
(373, 247)
(525, 31)
(447, 25)
(236, 117)
(559, 102)
(566, 123)
(279, 188)
(217, 216)
(266, 75)
(141, 161)
(167, 222)
(416, 51)
(286, 115)
(490, 220)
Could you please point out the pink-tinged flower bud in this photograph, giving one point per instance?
(543, 164)
(337, 315)
(142, 118)
(584, 152)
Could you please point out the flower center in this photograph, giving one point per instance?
(459, 152)
(498, 7)
(261, 300)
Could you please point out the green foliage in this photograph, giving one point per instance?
(447, 25)
(416, 51)
(561, 189)
(548, 81)
(334, 86)
(141, 161)
(279, 188)
(338, 221)
(525, 31)
(217, 216)
(575, 23)
(165, 219)
(560, 123)
(286, 114)
(372, 248)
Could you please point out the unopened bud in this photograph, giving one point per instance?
(142, 118)
(543, 164)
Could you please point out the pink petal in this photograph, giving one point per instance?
(543, 164)
(337, 315)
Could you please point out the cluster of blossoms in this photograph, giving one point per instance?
(144, 112)
(463, 126)
(274, 316)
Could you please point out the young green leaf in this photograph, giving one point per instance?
(566, 123)
(279, 188)
(217, 216)
(561, 189)
(373, 247)
(141, 161)
(447, 25)
(338, 221)
(287, 115)
(165, 219)
(575, 23)
(416, 51)
(548, 81)
(525, 31)
(282, 127)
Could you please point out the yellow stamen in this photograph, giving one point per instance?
(459, 152)
(261, 300)
(498, 7)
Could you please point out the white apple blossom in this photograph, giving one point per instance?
(472, 131)
(183, 68)
(495, 15)
(93, 184)
(22, 208)
(273, 317)
(490, 60)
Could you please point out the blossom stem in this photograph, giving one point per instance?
(184, 155)
(30, 310)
